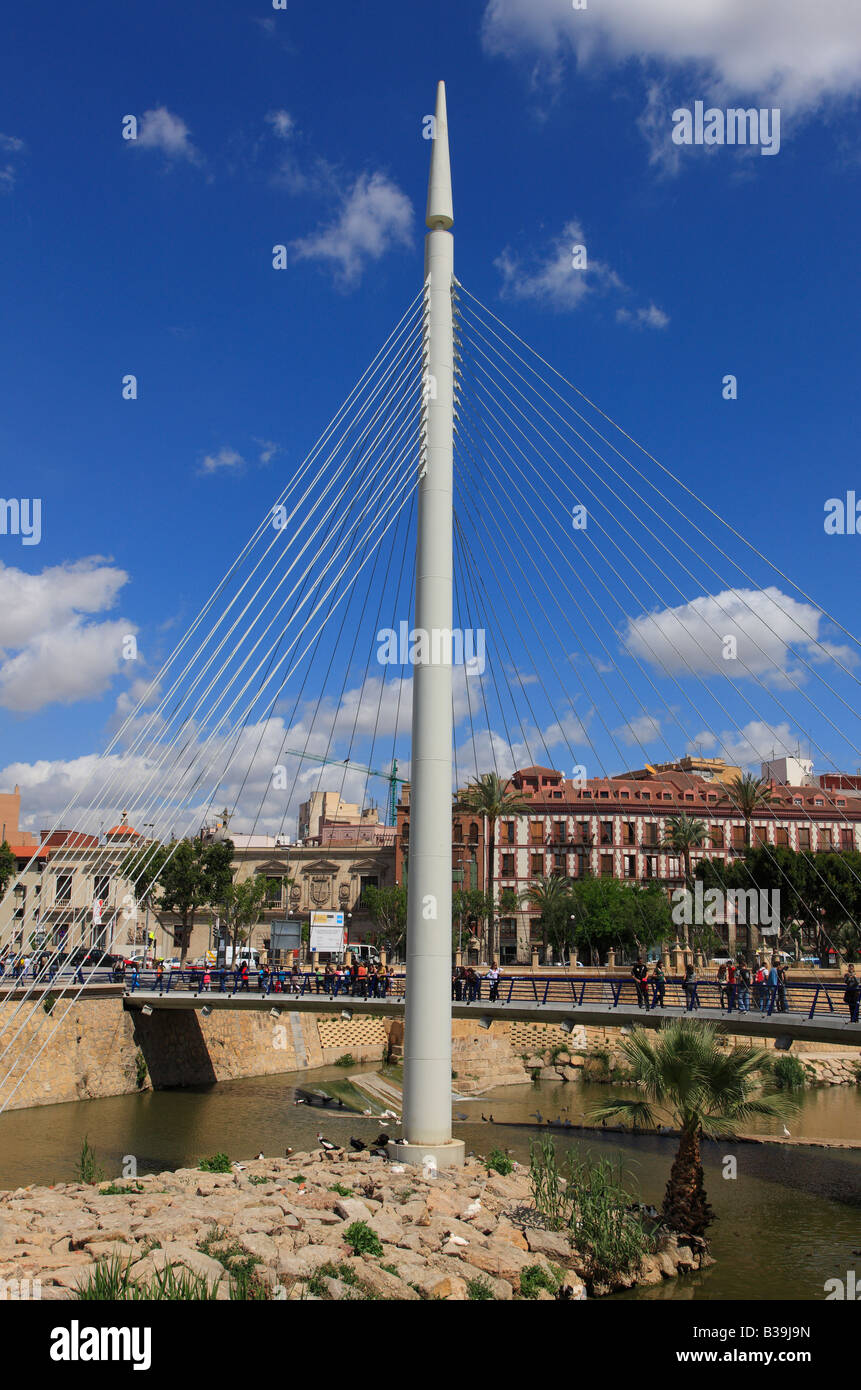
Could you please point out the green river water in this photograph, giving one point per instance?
(790, 1219)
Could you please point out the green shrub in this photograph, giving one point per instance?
(140, 1069)
(257, 1179)
(479, 1289)
(111, 1281)
(497, 1161)
(219, 1163)
(114, 1189)
(341, 1190)
(49, 1000)
(362, 1240)
(549, 1191)
(611, 1237)
(87, 1169)
(348, 1060)
(535, 1277)
(789, 1074)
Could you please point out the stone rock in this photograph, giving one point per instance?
(553, 1244)
(301, 1264)
(350, 1209)
(386, 1226)
(379, 1280)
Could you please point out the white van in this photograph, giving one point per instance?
(364, 953)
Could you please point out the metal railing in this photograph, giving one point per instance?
(805, 998)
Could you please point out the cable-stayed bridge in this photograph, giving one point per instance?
(474, 569)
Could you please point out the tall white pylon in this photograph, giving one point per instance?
(427, 1040)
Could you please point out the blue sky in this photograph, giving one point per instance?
(303, 127)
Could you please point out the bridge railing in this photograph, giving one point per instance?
(573, 990)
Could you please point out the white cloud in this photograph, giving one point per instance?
(756, 742)
(10, 145)
(552, 279)
(375, 215)
(226, 458)
(645, 728)
(160, 129)
(282, 123)
(789, 53)
(653, 317)
(51, 653)
(692, 637)
(268, 449)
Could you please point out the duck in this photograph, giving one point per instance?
(259, 1156)
(326, 1145)
(358, 1145)
(287, 1151)
(381, 1141)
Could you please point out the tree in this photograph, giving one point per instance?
(684, 833)
(8, 866)
(687, 1079)
(182, 877)
(551, 894)
(747, 793)
(387, 908)
(601, 908)
(473, 909)
(241, 905)
(491, 796)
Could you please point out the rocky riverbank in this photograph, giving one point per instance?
(315, 1225)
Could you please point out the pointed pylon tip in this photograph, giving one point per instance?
(439, 209)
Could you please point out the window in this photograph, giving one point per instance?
(738, 837)
(631, 865)
(803, 838)
(559, 864)
(458, 832)
(825, 837)
(473, 833)
(507, 869)
(625, 796)
(605, 795)
(273, 892)
(101, 888)
(647, 796)
(628, 833)
(64, 888)
(673, 867)
(536, 832)
(559, 830)
(606, 866)
(650, 833)
(537, 865)
(818, 801)
(508, 832)
(781, 836)
(847, 839)
(668, 796)
(651, 868)
(606, 832)
(840, 801)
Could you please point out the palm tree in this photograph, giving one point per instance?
(688, 1079)
(684, 833)
(551, 893)
(492, 796)
(747, 793)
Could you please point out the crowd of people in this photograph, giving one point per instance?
(356, 980)
(466, 984)
(740, 987)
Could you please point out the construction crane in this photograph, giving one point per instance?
(391, 777)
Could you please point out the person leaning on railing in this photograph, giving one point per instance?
(852, 993)
(658, 982)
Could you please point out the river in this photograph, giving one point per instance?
(788, 1221)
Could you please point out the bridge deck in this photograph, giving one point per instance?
(834, 1029)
